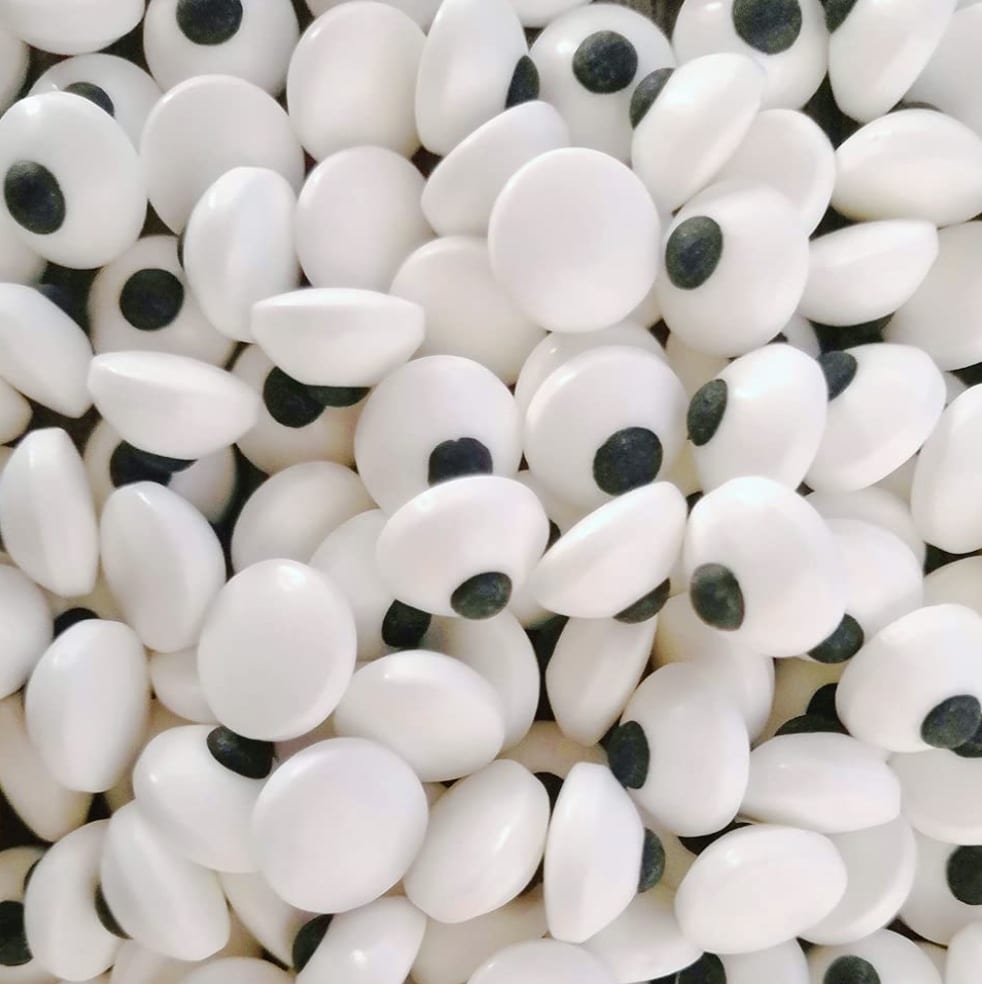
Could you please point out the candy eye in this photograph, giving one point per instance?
(252, 39)
(141, 301)
(45, 25)
(607, 421)
(63, 160)
(434, 419)
(589, 61)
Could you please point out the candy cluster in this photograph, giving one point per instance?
(490, 492)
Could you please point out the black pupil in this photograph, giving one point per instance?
(34, 198)
(627, 460)
(244, 756)
(404, 626)
(151, 299)
(209, 21)
(94, 93)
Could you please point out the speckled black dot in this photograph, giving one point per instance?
(851, 970)
(627, 460)
(605, 62)
(770, 26)
(105, 915)
(455, 459)
(952, 722)
(404, 626)
(289, 403)
(553, 784)
(94, 93)
(628, 754)
(209, 21)
(964, 874)
(151, 299)
(716, 596)
(337, 396)
(72, 616)
(693, 252)
(652, 861)
(524, 85)
(708, 969)
(34, 198)
(836, 11)
(128, 464)
(844, 642)
(308, 938)
(647, 606)
(839, 369)
(807, 724)
(697, 844)
(244, 756)
(646, 92)
(706, 409)
(971, 748)
(482, 596)
(14, 950)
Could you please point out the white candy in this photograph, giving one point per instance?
(277, 650)
(963, 955)
(890, 956)
(245, 970)
(542, 962)
(174, 678)
(421, 11)
(14, 56)
(269, 919)
(25, 628)
(67, 29)
(338, 824)
(941, 795)
(550, 234)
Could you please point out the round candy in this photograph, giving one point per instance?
(142, 301)
(71, 28)
(115, 85)
(485, 840)
(590, 60)
(26, 628)
(958, 582)
(338, 824)
(573, 239)
(174, 678)
(440, 715)
(884, 956)
(352, 80)
(542, 962)
(238, 246)
(432, 420)
(288, 609)
(759, 886)
(71, 180)
(358, 218)
(735, 265)
(421, 11)
(940, 792)
(206, 126)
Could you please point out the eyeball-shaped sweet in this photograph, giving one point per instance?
(876, 51)
(787, 39)
(608, 421)
(206, 126)
(338, 824)
(867, 271)
(764, 415)
(573, 239)
(14, 58)
(542, 962)
(485, 839)
(251, 616)
(592, 854)
(686, 130)
(86, 704)
(358, 218)
(590, 60)
(379, 47)
(431, 420)
(885, 697)
(238, 246)
(462, 189)
(27, 626)
(677, 727)
(913, 164)
(47, 517)
(251, 39)
(115, 85)
(734, 233)
(171, 405)
(761, 562)
(158, 898)
(883, 956)
(790, 152)
(71, 28)
(884, 401)
(141, 301)
(938, 318)
(487, 533)
(63, 930)
(467, 71)
(759, 886)
(292, 425)
(71, 180)
(338, 336)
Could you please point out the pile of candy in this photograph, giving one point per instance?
(490, 492)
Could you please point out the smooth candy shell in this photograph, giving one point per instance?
(68, 29)
(25, 628)
(174, 678)
(963, 955)
(892, 957)
(243, 970)
(541, 962)
(941, 795)
(271, 921)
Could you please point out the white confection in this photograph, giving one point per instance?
(25, 628)
(72, 28)
(542, 962)
(889, 955)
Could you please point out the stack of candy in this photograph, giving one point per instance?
(490, 492)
